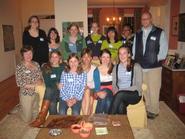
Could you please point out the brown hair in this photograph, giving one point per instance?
(130, 63)
(29, 21)
(71, 25)
(86, 51)
(106, 51)
(79, 68)
(48, 66)
(26, 48)
(146, 12)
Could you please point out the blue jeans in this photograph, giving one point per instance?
(104, 104)
(52, 94)
(76, 108)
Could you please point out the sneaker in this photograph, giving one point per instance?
(151, 115)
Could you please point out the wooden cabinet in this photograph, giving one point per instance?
(173, 83)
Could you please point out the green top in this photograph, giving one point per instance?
(95, 37)
(112, 47)
(52, 77)
(68, 48)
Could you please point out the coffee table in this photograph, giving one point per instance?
(121, 132)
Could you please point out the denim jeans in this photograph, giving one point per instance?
(52, 94)
(76, 108)
(104, 104)
(122, 99)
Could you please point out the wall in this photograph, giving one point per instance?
(161, 17)
(175, 8)
(16, 13)
(181, 45)
(36, 7)
(10, 15)
(70, 10)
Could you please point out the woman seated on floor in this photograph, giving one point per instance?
(51, 73)
(103, 82)
(28, 76)
(127, 82)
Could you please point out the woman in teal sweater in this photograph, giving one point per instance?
(51, 73)
(72, 42)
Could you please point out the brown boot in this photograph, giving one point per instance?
(42, 114)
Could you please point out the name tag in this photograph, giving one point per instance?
(89, 42)
(110, 45)
(41, 39)
(153, 38)
(70, 44)
(100, 41)
(70, 80)
(53, 76)
(27, 71)
(128, 73)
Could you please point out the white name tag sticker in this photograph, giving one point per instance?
(100, 41)
(110, 45)
(89, 42)
(128, 73)
(27, 71)
(153, 38)
(70, 80)
(70, 44)
(41, 39)
(53, 76)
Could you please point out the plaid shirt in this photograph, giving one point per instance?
(73, 85)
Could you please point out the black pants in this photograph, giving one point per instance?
(122, 99)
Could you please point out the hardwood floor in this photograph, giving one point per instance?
(9, 96)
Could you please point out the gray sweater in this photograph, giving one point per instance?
(136, 82)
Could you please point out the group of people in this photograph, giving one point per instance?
(80, 70)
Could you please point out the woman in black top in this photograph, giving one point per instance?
(36, 37)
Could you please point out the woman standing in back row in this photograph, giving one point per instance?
(72, 42)
(36, 37)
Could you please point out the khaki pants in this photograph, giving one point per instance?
(29, 106)
(152, 78)
(40, 90)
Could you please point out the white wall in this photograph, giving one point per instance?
(10, 15)
(161, 16)
(70, 10)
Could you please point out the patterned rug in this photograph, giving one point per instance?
(165, 126)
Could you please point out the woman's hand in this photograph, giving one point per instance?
(60, 86)
(101, 94)
(39, 82)
(71, 102)
(30, 86)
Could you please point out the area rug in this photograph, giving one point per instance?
(165, 126)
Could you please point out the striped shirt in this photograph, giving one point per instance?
(73, 85)
(124, 77)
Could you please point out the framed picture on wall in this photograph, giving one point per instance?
(181, 36)
(65, 26)
(175, 25)
(8, 37)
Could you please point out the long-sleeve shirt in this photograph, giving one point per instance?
(25, 76)
(73, 85)
(136, 81)
(39, 45)
(53, 77)
(163, 49)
